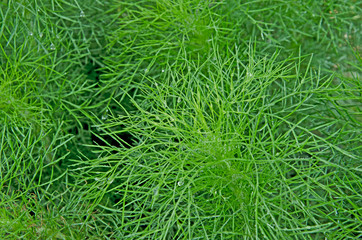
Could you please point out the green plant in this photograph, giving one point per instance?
(180, 119)
(227, 149)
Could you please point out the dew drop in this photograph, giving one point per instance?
(110, 180)
(81, 14)
(179, 100)
(41, 34)
(104, 117)
(163, 70)
(155, 191)
(180, 183)
(52, 47)
(31, 33)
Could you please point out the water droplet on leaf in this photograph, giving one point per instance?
(155, 191)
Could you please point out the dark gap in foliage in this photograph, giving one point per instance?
(32, 213)
(124, 140)
(127, 138)
(117, 200)
(85, 126)
(291, 174)
(73, 131)
(93, 71)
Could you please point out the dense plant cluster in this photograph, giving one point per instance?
(180, 119)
